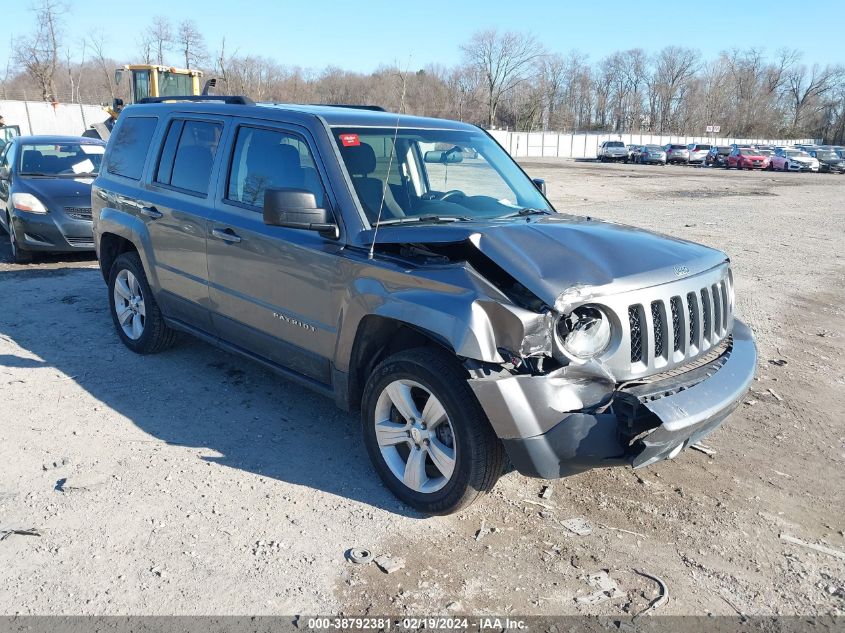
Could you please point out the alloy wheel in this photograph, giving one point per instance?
(415, 436)
(129, 304)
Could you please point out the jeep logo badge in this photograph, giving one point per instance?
(680, 271)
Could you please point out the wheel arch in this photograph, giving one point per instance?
(112, 246)
(378, 338)
(117, 232)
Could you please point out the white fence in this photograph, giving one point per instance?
(38, 117)
(552, 144)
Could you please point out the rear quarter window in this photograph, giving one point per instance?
(128, 150)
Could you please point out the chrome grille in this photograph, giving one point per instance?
(657, 324)
(636, 334)
(707, 310)
(677, 323)
(692, 312)
(79, 213)
(717, 309)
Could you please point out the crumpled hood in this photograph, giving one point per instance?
(566, 259)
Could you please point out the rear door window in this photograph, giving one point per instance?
(187, 156)
(128, 150)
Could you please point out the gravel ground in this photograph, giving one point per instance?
(195, 482)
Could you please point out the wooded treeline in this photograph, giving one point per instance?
(504, 79)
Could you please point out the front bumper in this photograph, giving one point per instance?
(802, 167)
(642, 424)
(52, 232)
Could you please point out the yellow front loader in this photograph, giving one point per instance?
(148, 80)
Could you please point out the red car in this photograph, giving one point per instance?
(747, 158)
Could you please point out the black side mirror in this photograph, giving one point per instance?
(297, 209)
(540, 184)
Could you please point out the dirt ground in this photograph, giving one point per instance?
(194, 482)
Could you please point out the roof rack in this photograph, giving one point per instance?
(374, 108)
(231, 99)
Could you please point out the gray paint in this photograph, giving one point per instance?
(296, 300)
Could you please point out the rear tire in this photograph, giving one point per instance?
(136, 315)
(416, 438)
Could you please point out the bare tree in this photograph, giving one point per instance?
(97, 43)
(504, 61)
(160, 35)
(145, 47)
(75, 72)
(805, 87)
(38, 53)
(674, 67)
(191, 43)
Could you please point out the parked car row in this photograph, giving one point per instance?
(815, 158)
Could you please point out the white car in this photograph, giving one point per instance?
(612, 151)
(698, 152)
(788, 159)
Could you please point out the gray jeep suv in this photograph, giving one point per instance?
(409, 269)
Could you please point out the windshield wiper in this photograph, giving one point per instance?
(84, 174)
(528, 211)
(34, 173)
(416, 219)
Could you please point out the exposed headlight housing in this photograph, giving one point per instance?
(584, 332)
(28, 203)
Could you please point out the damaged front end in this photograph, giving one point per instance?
(575, 419)
(602, 373)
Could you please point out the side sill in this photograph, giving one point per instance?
(310, 383)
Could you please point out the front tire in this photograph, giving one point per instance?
(19, 255)
(136, 315)
(426, 434)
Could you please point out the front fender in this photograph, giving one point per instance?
(472, 326)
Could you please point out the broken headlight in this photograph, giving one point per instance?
(584, 332)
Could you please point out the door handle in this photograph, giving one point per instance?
(151, 212)
(227, 235)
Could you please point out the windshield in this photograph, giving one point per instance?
(796, 152)
(827, 155)
(434, 174)
(61, 159)
(614, 144)
(172, 84)
(749, 152)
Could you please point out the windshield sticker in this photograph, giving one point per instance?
(93, 149)
(350, 140)
(85, 167)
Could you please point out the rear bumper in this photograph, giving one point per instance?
(677, 412)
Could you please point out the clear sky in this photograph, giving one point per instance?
(364, 34)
